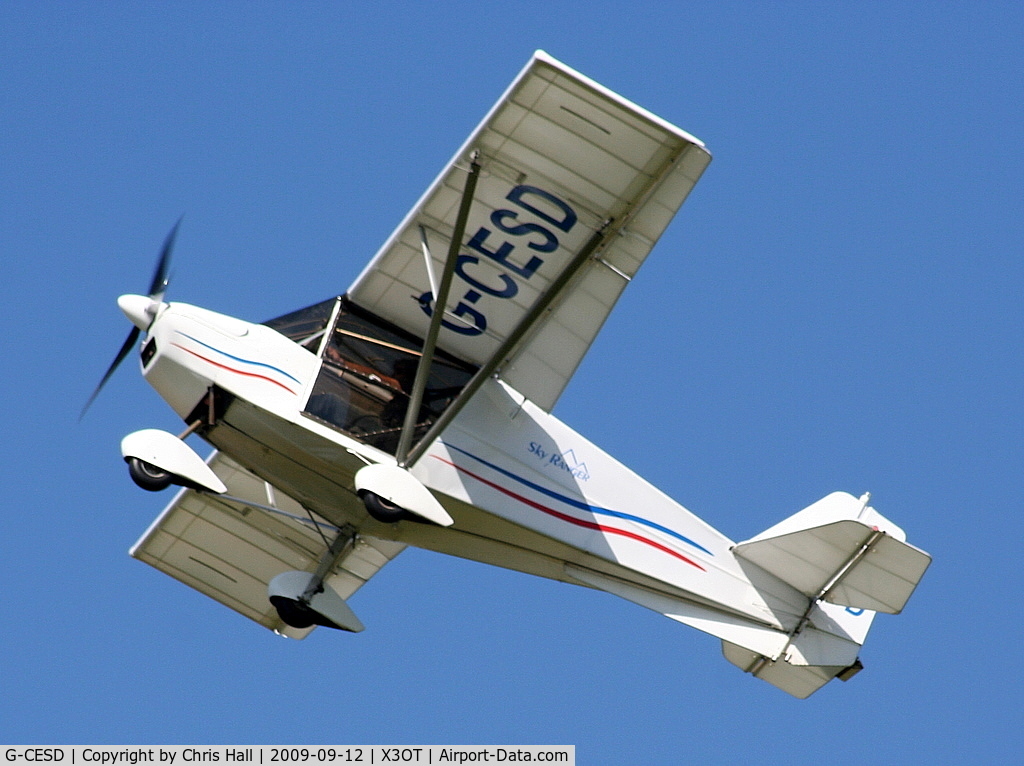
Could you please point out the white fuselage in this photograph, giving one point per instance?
(526, 491)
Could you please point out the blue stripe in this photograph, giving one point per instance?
(239, 359)
(580, 504)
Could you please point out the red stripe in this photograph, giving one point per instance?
(573, 519)
(232, 369)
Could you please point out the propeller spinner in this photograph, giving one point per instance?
(141, 310)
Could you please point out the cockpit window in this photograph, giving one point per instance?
(366, 376)
(305, 326)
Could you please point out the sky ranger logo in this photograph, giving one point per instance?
(565, 461)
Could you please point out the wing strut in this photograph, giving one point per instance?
(428, 261)
(501, 356)
(440, 301)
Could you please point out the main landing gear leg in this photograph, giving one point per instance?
(157, 459)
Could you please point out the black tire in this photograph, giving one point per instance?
(299, 614)
(293, 612)
(148, 476)
(381, 509)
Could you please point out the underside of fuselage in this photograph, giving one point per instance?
(319, 473)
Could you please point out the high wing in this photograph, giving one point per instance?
(576, 186)
(231, 551)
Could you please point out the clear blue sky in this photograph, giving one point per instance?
(837, 307)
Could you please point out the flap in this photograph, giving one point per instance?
(561, 157)
(819, 562)
(231, 551)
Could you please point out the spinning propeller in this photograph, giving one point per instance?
(141, 309)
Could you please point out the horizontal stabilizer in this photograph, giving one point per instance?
(800, 681)
(844, 562)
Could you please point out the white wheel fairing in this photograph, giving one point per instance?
(399, 487)
(167, 452)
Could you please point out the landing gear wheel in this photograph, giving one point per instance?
(293, 612)
(381, 509)
(148, 476)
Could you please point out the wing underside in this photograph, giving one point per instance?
(566, 166)
(231, 550)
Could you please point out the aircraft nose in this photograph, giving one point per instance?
(140, 309)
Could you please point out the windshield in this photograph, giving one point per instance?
(366, 376)
(305, 326)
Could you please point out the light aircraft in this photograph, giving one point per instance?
(348, 430)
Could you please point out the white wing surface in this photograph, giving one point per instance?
(231, 551)
(576, 186)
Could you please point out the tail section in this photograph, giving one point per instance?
(841, 551)
(849, 562)
(799, 680)
(801, 595)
